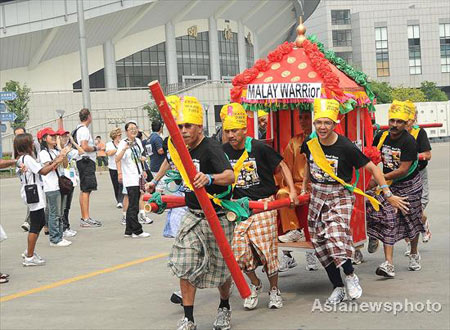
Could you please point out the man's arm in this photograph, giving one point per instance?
(221, 179)
(4, 163)
(426, 155)
(84, 145)
(287, 176)
(401, 171)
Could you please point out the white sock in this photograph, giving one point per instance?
(124, 214)
(142, 212)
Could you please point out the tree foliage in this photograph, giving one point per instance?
(382, 91)
(406, 93)
(19, 106)
(432, 92)
(153, 112)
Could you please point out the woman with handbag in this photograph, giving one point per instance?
(32, 192)
(49, 153)
(131, 173)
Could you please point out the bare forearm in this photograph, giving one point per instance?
(377, 175)
(224, 179)
(162, 170)
(426, 155)
(119, 156)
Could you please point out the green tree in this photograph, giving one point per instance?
(432, 92)
(382, 91)
(19, 106)
(153, 112)
(405, 93)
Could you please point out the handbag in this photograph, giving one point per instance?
(65, 184)
(31, 190)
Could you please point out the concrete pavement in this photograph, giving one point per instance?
(136, 295)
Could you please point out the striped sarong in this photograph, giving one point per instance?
(389, 225)
(330, 210)
(195, 255)
(255, 242)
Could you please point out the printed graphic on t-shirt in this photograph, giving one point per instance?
(248, 176)
(318, 174)
(391, 157)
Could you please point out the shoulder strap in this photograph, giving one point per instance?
(240, 163)
(25, 175)
(415, 132)
(382, 139)
(135, 154)
(321, 161)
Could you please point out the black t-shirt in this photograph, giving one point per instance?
(393, 152)
(343, 156)
(423, 144)
(255, 179)
(208, 158)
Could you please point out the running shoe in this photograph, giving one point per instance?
(354, 289)
(141, 235)
(414, 262)
(185, 324)
(292, 236)
(90, 223)
(144, 219)
(33, 261)
(408, 249)
(119, 205)
(275, 300)
(337, 296)
(223, 319)
(312, 263)
(386, 270)
(61, 243)
(287, 262)
(359, 258)
(25, 226)
(251, 301)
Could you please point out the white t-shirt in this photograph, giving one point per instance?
(111, 159)
(130, 173)
(51, 179)
(71, 170)
(83, 134)
(32, 167)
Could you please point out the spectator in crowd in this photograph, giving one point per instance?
(154, 148)
(86, 167)
(263, 118)
(102, 160)
(70, 172)
(131, 173)
(31, 172)
(36, 148)
(48, 154)
(111, 150)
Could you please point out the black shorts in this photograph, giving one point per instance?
(86, 169)
(37, 221)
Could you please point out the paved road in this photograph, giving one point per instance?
(135, 296)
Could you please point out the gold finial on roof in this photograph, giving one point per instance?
(301, 30)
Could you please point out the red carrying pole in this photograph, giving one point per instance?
(429, 125)
(205, 203)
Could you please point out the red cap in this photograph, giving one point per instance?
(62, 132)
(47, 131)
(39, 135)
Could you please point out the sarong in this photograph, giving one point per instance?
(195, 255)
(389, 225)
(255, 242)
(330, 210)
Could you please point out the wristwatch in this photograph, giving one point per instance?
(212, 178)
(388, 194)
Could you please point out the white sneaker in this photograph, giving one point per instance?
(144, 219)
(414, 262)
(24, 255)
(141, 235)
(69, 233)
(223, 319)
(251, 301)
(292, 236)
(62, 243)
(354, 289)
(25, 226)
(358, 258)
(386, 270)
(119, 205)
(337, 296)
(275, 300)
(408, 249)
(124, 220)
(33, 261)
(312, 263)
(287, 262)
(185, 324)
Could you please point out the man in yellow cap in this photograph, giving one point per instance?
(195, 258)
(263, 118)
(399, 156)
(424, 150)
(255, 239)
(331, 161)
